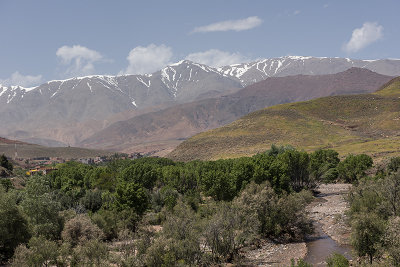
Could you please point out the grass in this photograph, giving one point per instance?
(367, 123)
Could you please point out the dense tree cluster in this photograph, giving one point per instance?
(375, 215)
(6, 166)
(157, 212)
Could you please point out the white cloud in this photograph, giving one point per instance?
(370, 32)
(22, 80)
(231, 25)
(217, 58)
(148, 59)
(296, 12)
(78, 59)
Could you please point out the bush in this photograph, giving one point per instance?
(337, 260)
(281, 217)
(80, 229)
(92, 200)
(90, 253)
(392, 240)
(179, 241)
(299, 263)
(228, 230)
(394, 165)
(41, 252)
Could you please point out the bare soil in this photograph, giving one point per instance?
(272, 254)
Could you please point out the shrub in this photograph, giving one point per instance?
(80, 229)
(41, 252)
(337, 260)
(90, 253)
(392, 240)
(299, 263)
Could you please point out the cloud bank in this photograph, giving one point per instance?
(78, 59)
(216, 58)
(148, 59)
(231, 25)
(369, 33)
(22, 80)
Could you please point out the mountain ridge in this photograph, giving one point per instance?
(69, 111)
(181, 121)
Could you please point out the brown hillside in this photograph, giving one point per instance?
(366, 123)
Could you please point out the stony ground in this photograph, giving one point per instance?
(270, 254)
(329, 210)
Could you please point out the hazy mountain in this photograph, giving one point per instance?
(182, 121)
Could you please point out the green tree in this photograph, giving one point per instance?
(391, 192)
(367, 234)
(394, 165)
(13, 226)
(144, 174)
(5, 163)
(218, 184)
(294, 165)
(41, 209)
(353, 167)
(323, 163)
(131, 195)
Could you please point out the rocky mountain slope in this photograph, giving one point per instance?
(170, 126)
(68, 111)
(87, 103)
(249, 73)
(365, 123)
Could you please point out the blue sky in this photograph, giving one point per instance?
(45, 40)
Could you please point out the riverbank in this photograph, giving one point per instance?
(328, 213)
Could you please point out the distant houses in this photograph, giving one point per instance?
(46, 165)
(41, 170)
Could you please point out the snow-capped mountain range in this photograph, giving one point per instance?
(46, 111)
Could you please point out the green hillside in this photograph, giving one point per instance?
(367, 123)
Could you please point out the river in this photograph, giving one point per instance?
(320, 246)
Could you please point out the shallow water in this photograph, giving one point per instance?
(320, 246)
